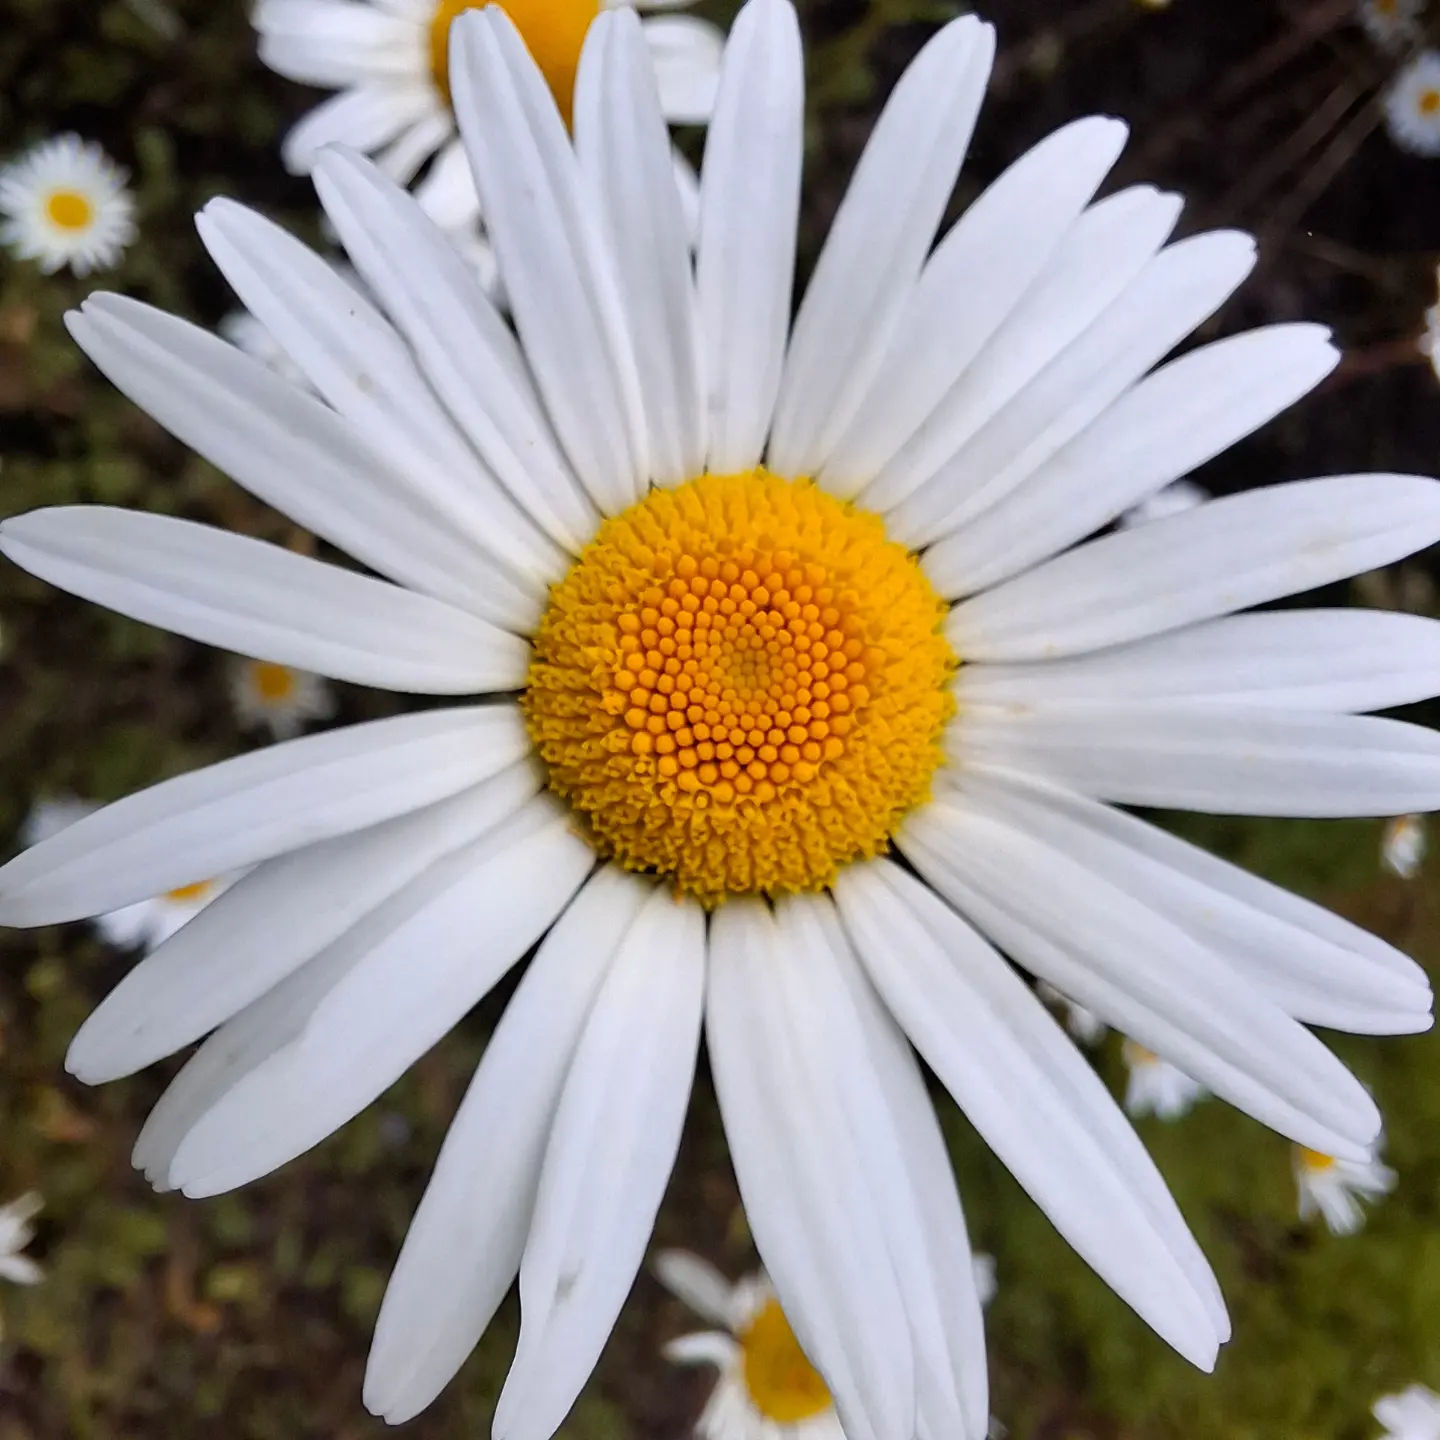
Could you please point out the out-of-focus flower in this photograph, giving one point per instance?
(1412, 105)
(16, 1232)
(281, 698)
(65, 202)
(1333, 1188)
(1391, 24)
(983, 1266)
(1413, 1414)
(1085, 1025)
(1172, 500)
(1402, 845)
(1155, 1086)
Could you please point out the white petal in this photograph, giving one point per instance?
(867, 271)
(1066, 919)
(465, 1242)
(612, 1146)
(1181, 287)
(1218, 759)
(462, 345)
(272, 921)
(974, 280)
(1210, 560)
(1169, 424)
(20, 1270)
(805, 1191)
(1035, 1100)
(368, 117)
(685, 54)
(558, 274)
(292, 451)
(331, 43)
(625, 158)
(1350, 660)
(696, 1282)
(710, 1347)
(263, 601)
(749, 209)
(398, 982)
(446, 192)
(248, 809)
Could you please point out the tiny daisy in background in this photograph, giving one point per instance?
(16, 1232)
(281, 698)
(65, 202)
(1333, 1188)
(1412, 106)
(1156, 1087)
(1085, 1025)
(1402, 845)
(1391, 24)
(767, 1387)
(1172, 500)
(1413, 1414)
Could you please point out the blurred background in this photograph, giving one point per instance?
(249, 1316)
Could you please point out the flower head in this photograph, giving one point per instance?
(65, 202)
(16, 1232)
(1155, 1086)
(897, 493)
(1391, 24)
(1333, 1188)
(1412, 105)
(1402, 846)
(1413, 1414)
(279, 697)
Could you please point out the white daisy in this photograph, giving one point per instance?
(1086, 1026)
(65, 202)
(1329, 1187)
(1172, 500)
(1402, 845)
(279, 697)
(1412, 105)
(1155, 1086)
(767, 1388)
(985, 403)
(16, 1232)
(1413, 1414)
(389, 60)
(1391, 24)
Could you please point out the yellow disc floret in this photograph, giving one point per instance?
(741, 684)
(782, 1384)
(69, 209)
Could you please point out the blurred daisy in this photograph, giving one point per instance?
(767, 1388)
(1156, 1087)
(279, 697)
(16, 1232)
(1413, 1414)
(1412, 105)
(1402, 845)
(1391, 24)
(389, 59)
(1333, 1188)
(1172, 500)
(1087, 1027)
(65, 202)
(655, 469)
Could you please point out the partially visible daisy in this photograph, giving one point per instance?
(389, 59)
(1172, 500)
(1085, 1025)
(767, 1388)
(1333, 1188)
(16, 1233)
(1412, 105)
(65, 202)
(1413, 1414)
(281, 698)
(1402, 845)
(1156, 1087)
(1391, 24)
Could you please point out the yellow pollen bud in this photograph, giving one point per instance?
(783, 1385)
(69, 209)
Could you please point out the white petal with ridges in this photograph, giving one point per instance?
(369, 117)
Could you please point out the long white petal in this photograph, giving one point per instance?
(1169, 424)
(625, 157)
(263, 601)
(369, 117)
(1213, 559)
(272, 921)
(400, 980)
(465, 1242)
(330, 43)
(612, 1145)
(685, 53)
(1035, 1100)
(697, 1283)
(886, 224)
(256, 806)
(749, 210)
(559, 275)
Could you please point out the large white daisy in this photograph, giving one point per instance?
(748, 605)
(389, 61)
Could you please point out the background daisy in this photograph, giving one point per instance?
(1334, 1188)
(1412, 105)
(64, 202)
(1155, 1087)
(1412, 1414)
(279, 697)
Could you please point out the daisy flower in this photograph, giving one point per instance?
(746, 607)
(1402, 846)
(1156, 1087)
(1413, 1414)
(1172, 500)
(64, 202)
(1391, 24)
(389, 60)
(1412, 105)
(16, 1232)
(767, 1388)
(1087, 1027)
(279, 697)
(1333, 1188)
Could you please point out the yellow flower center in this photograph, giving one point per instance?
(273, 683)
(188, 894)
(1315, 1161)
(69, 209)
(741, 684)
(783, 1385)
(553, 31)
(1429, 102)
(1138, 1056)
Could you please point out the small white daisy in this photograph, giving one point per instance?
(281, 698)
(1085, 1025)
(1402, 845)
(1412, 105)
(767, 1389)
(16, 1232)
(1329, 1187)
(1156, 1087)
(65, 202)
(1413, 1414)
(1172, 500)
(389, 59)
(1391, 24)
